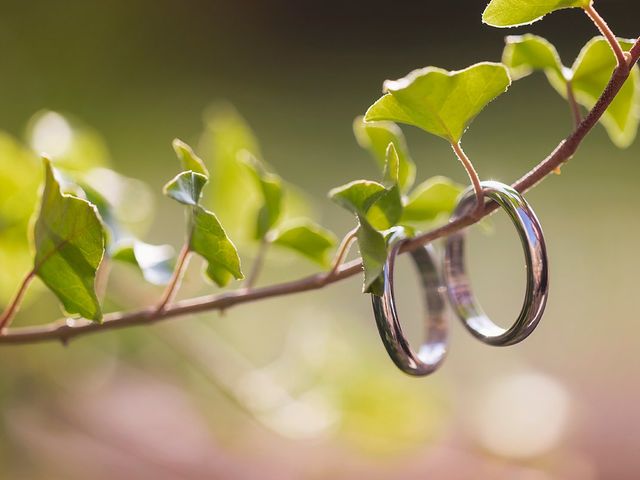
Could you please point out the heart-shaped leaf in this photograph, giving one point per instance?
(272, 192)
(156, 262)
(430, 199)
(188, 158)
(386, 211)
(440, 102)
(589, 76)
(376, 137)
(306, 238)
(373, 250)
(69, 242)
(205, 236)
(591, 73)
(524, 54)
(233, 194)
(357, 196)
(209, 240)
(186, 188)
(512, 13)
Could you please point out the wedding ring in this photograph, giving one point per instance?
(458, 284)
(432, 352)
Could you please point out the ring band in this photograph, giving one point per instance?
(459, 287)
(433, 350)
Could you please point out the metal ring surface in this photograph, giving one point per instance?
(433, 351)
(458, 284)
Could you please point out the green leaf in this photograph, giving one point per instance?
(589, 76)
(387, 210)
(209, 240)
(19, 178)
(524, 54)
(69, 243)
(189, 160)
(373, 250)
(308, 239)
(391, 173)
(156, 262)
(512, 13)
(591, 73)
(357, 196)
(272, 193)
(430, 199)
(186, 188)
(376, 137)
(440, 102)
(234, 196)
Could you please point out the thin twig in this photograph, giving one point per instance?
(176, 278)
(65, 330)
(573, 104)
(258, 263)
(12, 308)
(343, 250)
(473, 176)
(608, 34)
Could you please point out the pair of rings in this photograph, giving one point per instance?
(458, 288)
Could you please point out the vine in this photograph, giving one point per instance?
(75, 227)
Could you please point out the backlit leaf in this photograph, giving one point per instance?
(306, 238)
(589, 76)
(188, 158)
(234, 196)
(209, 240)
(511, 13)
(270, 186)
(19, 177)
(440, 102)
(373, 250)
(591, 73)
(524, 54)
(69, 243)
(430, 199)
(186, 188)
(376, 137)
(357, 196)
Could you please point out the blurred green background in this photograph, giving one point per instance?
(301, 387)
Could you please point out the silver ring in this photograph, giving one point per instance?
(432, 352)
(535, 251)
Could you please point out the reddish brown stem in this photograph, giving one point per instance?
(573, 104)
(14, 306)
(343, 250)
(607, 33)
(174, 284)
(473, 176)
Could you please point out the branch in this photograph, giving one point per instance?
(65, 330)
(607, 33)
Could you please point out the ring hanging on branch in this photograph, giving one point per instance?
(459, 286)
(433, 351)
